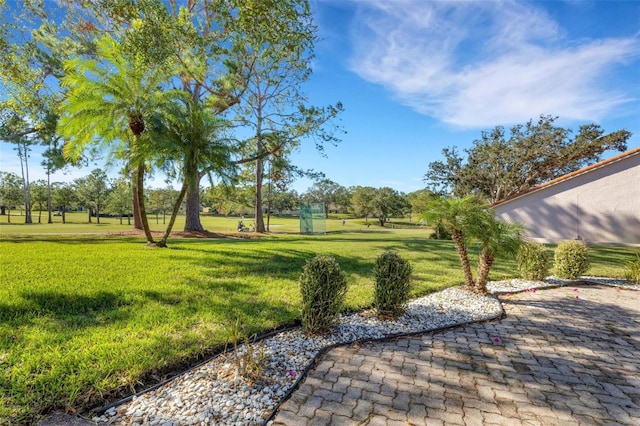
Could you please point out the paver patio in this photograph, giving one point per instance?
(563, 356)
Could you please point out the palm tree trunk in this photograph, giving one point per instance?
(137, 222)
(458, 239)
(484, 266)
(142, 211)
(174, 214)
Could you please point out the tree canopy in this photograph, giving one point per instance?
(502, 163)
(388, 202)
(230, 59)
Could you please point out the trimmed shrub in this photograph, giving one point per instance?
(323, 286)
(632, 270)
(571, 259)
(393, 282)
(534, 261)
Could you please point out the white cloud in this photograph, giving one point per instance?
(478, 64)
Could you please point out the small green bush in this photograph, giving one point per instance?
(323, 286)
(393, 281)
(632, 270)
(571, 259)
(533, 261)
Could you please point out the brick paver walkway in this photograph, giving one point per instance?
(557, 359)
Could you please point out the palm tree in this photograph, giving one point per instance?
(461, 217)
(495, 238)
(112, 98)
(190, 136)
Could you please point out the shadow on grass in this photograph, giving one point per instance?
(433, 260)
(612, 255)
(73, 309)
(271, 262)
(76, 238)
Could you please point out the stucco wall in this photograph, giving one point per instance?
(599, 206)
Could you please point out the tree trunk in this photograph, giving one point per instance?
(98, 214)
(458, 239)
(89, 210)
(28, 218)
(137, 222)
(258, 207)
(192, 178)
(484, 266)
(174, 214)
(49, 195)
(142, 212)
(22, 153)
(269, 208)
(269, 194)
(192, 219)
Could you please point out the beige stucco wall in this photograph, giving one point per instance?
(599, 206)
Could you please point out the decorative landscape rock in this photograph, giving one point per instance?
(211, 393)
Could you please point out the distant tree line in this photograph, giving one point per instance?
(101, 196)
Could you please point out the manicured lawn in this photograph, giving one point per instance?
(86, 317)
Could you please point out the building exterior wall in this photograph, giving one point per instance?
(601, 205)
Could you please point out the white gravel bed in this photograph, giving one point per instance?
(214, 394)
(515, 285)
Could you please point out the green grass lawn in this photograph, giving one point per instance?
(85, 317)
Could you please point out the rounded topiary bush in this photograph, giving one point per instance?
(393, 282)
(323, 286)
(533, 261)
(571, 259)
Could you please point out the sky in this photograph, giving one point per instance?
(415, 77)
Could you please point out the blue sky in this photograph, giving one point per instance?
(418, 76)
